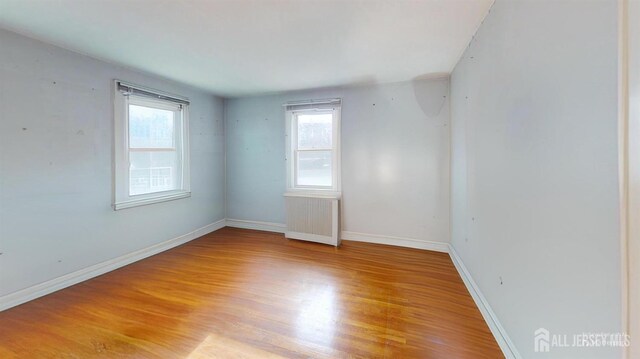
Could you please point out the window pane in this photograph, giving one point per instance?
(314, 168)
(150, 127)
(152, 172)
(315, 131)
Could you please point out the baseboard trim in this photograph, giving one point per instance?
(256, 225)
(506, 345)
(396, 241)
(498, 331)
(346, 235)
(67, 280)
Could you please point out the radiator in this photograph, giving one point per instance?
(314, 218)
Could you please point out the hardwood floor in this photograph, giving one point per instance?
(247, 294)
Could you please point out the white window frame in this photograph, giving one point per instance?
(293, 110)
(153, 98)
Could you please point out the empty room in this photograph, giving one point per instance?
(320, 179)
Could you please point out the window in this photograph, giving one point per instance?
(313, 138)
(151, 146)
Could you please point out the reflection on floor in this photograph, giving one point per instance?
(248, 294)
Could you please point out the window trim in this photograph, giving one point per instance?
(291, 141)
(121, 174)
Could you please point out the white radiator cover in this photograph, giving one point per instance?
(313, 218)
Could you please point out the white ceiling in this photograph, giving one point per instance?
(242, 47)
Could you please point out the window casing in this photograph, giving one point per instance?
(151, 146)
(313, 146)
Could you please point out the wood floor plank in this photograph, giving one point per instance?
(248, 294)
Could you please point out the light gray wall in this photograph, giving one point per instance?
(534, 169)
(55, 165)
(395, 158)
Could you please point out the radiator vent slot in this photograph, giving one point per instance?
(313, 218)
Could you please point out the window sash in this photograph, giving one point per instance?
(293, 150)
(122, 197)
(174, 177)
(173, 112)
(152, 149)
(297, 150)
(297, 170)
(176, 109)
(313, 150)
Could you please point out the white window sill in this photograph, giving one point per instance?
(314, 194)
(151, 200)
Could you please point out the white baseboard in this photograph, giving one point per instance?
(50, 286)
(39, 290)
(258, 226)
(498, 331)
(396, 241)
(351, 236)
(508, 348)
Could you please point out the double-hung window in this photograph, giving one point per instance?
(313, 141)
(151, 146)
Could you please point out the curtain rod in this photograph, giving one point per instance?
(313, 102)
(130, 89)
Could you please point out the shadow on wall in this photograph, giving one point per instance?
(359, 81)
(431, 91)
(368, 80)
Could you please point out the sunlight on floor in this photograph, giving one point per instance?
(215, 346)
(316, 321)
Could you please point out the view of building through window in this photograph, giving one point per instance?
(153, 158)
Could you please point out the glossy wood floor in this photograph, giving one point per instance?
(246, 294)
